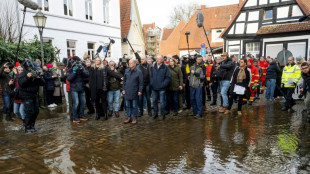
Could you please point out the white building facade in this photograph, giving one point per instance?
(77, 26)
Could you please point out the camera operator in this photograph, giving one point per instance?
(305, 90)
(6, 77)
(29, 82)
(76, 76)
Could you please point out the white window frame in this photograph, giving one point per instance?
(71, 48)
(89, 10)
(43, 3)
(91, 51)
(69, 4)
(106, 11)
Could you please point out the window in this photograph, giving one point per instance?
(106, 11)
(88, 10)
(268, 14)
(216, 35)
(48, 40)
(252, 47)
(91, 50)
(71, 46)
(150, 31)
(43, 5)
(68, 8)
(158, 37)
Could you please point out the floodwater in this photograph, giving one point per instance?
(263, 140)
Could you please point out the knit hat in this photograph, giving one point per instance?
(49, 66)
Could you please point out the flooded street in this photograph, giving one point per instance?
(263, 140)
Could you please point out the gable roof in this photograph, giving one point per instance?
(303, 4)
(125, 8)
(167, 32)
(214, 18)
(170, 46)
(284, 28)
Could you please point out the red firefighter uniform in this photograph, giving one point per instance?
(254, 81)
(209, 68)
(264, 65)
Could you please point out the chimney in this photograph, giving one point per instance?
(204, 6)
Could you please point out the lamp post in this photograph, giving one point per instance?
(40, 21)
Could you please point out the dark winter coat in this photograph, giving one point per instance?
(146, 71)
(114, 83)
(133, 83)
(77, 79)
(29, 87)
(176, 78)
(185, 75)
(272, 71)
(98, 79)
(49, 81)
(5, 79)
(306, 82)
(160, 78)
(213, 77)
(245, 83)
(227, 66)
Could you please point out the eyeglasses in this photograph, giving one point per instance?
(6, 67)
(304, 68)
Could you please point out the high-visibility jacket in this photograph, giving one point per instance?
(290, 75)
(209, 69)
(264, 65)
(254, 73)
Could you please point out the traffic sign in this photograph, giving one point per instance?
(203, 52)
(203, 45)
(105, 49)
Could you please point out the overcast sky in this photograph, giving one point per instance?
(158, 11)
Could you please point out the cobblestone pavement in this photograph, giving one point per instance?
(263, 140)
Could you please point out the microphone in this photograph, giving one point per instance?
(112, 41)
(29, 4)
(99, 49)
(302, 18)
(125, 38)
(199, 19)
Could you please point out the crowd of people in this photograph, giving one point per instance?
(141, 84)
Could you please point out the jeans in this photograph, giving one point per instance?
(161, 95)
(224, 89)
(173, 100)
(146, 95)
(6, 102)
(132, 107)
(114, 96)
(196, 100)
(271, 85)
(31, 111)
(19, 110)
(78, 100)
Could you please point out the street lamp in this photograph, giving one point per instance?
(40, 21)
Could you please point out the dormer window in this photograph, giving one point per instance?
(268, 13)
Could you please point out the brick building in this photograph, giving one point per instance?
(152, 38)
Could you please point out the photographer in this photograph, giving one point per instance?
(29, 81)
(196, 79)
(76, 76)
(305, 90)
(6, 78)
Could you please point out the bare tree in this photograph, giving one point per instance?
(182, 13)
(8, 21)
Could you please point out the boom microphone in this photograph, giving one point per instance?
(199, 19)
(29, 4)
(125, 38)
(99, 49)
(112, 41)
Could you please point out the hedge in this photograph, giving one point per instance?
(28, 49)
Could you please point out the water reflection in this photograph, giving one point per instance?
(263, 140)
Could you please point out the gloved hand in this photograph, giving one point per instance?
(74, 69)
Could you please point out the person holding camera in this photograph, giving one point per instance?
(98, 83)
(29, 81)
(290, 77)
(196, 80)
(305, 90)
(6, 78)
(76, 76)
(49, 78)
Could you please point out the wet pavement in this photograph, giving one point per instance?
(263, 140)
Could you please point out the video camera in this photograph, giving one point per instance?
(70, 63)
(123, 61)
(33, 68)
(189, 59)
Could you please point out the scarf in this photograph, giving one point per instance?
(241, 75)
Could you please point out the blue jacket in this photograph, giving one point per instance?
(133, 83)
(160, 78)
(77, 79)
(49, 80)
(272, 71)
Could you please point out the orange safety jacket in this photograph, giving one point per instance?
(264, 65)
(209, 68)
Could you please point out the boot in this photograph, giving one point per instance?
(223, 110)
(110, 112)
(213, 103)
(116, 113)
(32, 128)
(4, 118)
(97, 116)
